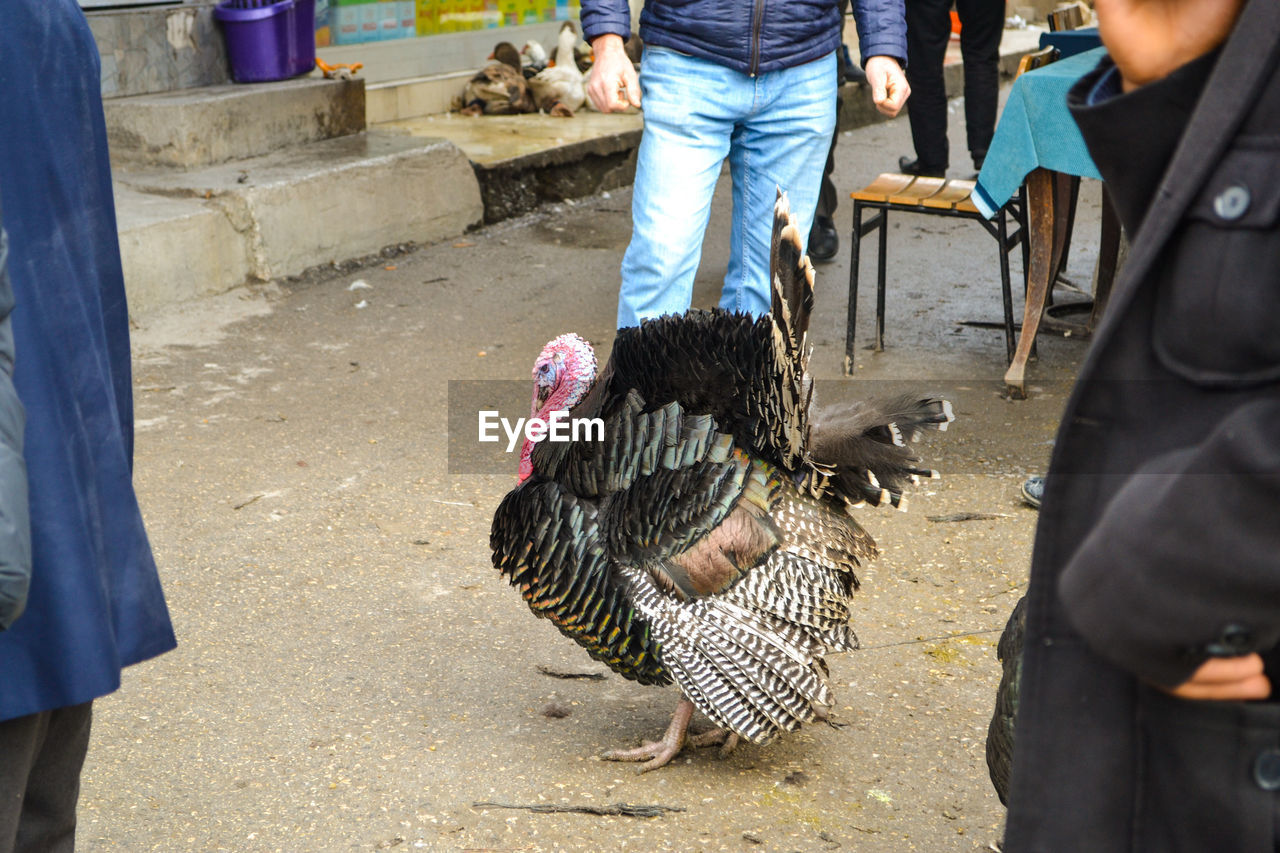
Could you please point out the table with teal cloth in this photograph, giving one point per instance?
(1071, 42)
(1036, 131)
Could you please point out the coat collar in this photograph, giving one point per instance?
(1245, 65)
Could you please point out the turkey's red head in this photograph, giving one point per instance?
(562, 375)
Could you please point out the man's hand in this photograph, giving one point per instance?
(889, 87)
(613, 84)
(1225, 679)
(1149, 39)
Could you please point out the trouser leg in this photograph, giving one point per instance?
(41, 756)
(928, 31)
(782, 145)
(828, 200)
(686, 137)
(981, 27)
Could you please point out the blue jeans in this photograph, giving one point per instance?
(774, 128)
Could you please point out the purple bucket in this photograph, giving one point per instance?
(273, 41)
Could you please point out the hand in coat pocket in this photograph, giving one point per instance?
(1236, 679)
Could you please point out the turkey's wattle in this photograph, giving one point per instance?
(708, 538)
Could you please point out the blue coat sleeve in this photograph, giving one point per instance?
(882, 29)
(15, 526)
(601, 17)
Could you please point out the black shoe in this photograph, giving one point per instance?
(1033, 491)
(910, 166)
(824, 242)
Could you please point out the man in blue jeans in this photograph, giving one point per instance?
(748, 80)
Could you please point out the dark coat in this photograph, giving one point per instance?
(754, 36)
(1159, 536)
(95, 603)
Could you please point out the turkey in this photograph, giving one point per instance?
(1000, 731)
(705, 537)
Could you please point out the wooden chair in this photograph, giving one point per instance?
(1036, 59)
(1066, 17)
(940, 197)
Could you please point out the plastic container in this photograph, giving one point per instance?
(272, 42)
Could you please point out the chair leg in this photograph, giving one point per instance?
(1023, 223)
(880, 278)
(1006, 288)
(854, 247)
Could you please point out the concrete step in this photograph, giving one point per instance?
(192, 128)
(204, 231)
(176, 249)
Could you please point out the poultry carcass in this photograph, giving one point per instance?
(499, 88)
(705, 535)
(560, 89)
(1000, 732)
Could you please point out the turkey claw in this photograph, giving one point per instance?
(722, 738)
(654, 754)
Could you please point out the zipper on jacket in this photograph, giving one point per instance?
(757, 19)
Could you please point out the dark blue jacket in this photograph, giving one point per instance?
(95, 603)
(754, 36)
(15, 523)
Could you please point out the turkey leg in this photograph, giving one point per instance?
(655, 754)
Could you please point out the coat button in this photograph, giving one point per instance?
(1232, 202)
(1266, 770)
(1233, 641)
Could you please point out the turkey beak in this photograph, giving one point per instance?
(544, 392)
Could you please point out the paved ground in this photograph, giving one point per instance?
(353, 675)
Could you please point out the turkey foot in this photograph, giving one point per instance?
(722, 738)
(656, 754)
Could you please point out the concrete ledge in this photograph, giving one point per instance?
(405, 99)
(191, 128)
(514, 186)
(330, 200)
(175, 249)
(523, 161)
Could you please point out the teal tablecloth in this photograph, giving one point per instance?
(1036, 131)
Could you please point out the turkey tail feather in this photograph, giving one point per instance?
(868, 444)
(791, 275)
(740, 658)
(792, 301)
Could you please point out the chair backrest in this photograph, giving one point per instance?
(1038, 59)
(1066, 17)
